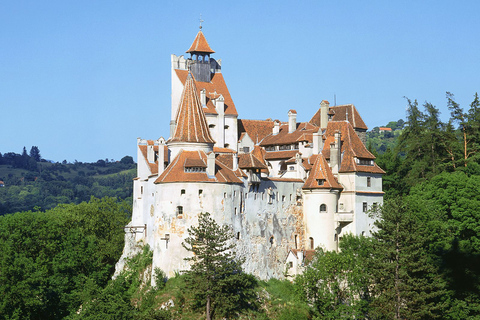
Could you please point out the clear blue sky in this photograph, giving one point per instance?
(83, 79)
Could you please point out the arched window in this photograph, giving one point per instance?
(312, 245)
(323, 207)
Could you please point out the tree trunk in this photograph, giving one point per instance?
(208, 308)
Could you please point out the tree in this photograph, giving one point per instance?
(35, 153)
(216, 277)
(127, 160)
(407, 283)
(337, 284)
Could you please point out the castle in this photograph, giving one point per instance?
(284, 188)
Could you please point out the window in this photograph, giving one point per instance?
(246, 149)
(365, 207)
(365, 162)
(235, 210)
(290, 265)
(141, 190)
(284, 147)
(369, 181)
(320, 182)
(195, 169)
(182, 192)
(283, 198)
(227, 145)
(226, 126)
(312, 245)
(342, 207)
(238, 235)
(374, 206)
(179, 210)
(211, 126)
(270, 148)
(225, 195)
(296, 241)
(272, 240)
(291, 168)
(323, 207)
(295, 146)
(200, 191)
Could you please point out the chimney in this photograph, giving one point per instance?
(235, 161)
(292, 120)
(276, 127)
(336, 153)
(150, 153)
(203, 97)
(317, 142)
(161, 155)
(324, 108)
(173, 124)
(211, 165)
(220, 106)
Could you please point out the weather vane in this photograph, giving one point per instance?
(201, 20)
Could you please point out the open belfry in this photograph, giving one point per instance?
(284, 187)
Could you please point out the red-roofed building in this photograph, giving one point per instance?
(283, 187)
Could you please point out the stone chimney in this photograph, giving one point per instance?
(150, 153)
(276, 127)
(203, 97)
(211, 165)
(324, 108)
(161, 155)
(220, 106)
(317, 142)
(292, 121)
(336, 153)
(235, 161)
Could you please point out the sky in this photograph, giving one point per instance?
(83, 79)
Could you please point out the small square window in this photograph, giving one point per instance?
(182, 191)
(369, 181)
(365, 207)
(200, 191)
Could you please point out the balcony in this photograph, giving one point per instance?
(344, 217)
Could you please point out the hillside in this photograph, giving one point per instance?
(31, 183)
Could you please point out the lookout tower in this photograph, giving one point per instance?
(200, 54)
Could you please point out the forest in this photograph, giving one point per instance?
(31, 182)
(421, 262)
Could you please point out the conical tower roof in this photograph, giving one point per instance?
(200, 44)
(191, 122)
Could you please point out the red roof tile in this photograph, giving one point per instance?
(200, 44)
(249, 161)
(216, 85)
(191, 123)
(273, 155)
(303, 132)
(339, 114)
(175, 172)
(321, 171)
(256, 129)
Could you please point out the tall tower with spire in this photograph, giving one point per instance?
(200, 55)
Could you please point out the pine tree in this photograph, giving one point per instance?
(407, 282)
(216, 277)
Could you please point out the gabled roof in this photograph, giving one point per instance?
(352, 147)
(257, 130)
(249, 161)
(303, 132)
(191, 123)
(175, 172)
(213, 89)
(321, 172)
(287, 154)
(200, 44)
(339, 114)
(153, 166)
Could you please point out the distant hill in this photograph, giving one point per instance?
(379, 139)
(32, 183)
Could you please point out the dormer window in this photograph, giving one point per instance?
(365, 162)
(246, 149)
(270, 148)
(285, 147)
(320, 182)
(195, 169)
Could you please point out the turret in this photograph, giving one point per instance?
(200, 54)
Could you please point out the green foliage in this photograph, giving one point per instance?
(407, 283)
(335, 283)
(216, 277)
(50, 260)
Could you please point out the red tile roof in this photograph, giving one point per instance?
(153, 166)
(352, 147)
(287, 154)
(191, 123)
(213, 89)
(223, 150)
(249, 161)
(175, 172)
(200, 44)
(321, 171)
(256, 129)
(303, 132)
(339, 114)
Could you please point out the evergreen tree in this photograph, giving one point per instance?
(35, 153)
(216, 277)
(407, 284)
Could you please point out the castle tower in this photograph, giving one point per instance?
(191, 129)
(200, 54)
